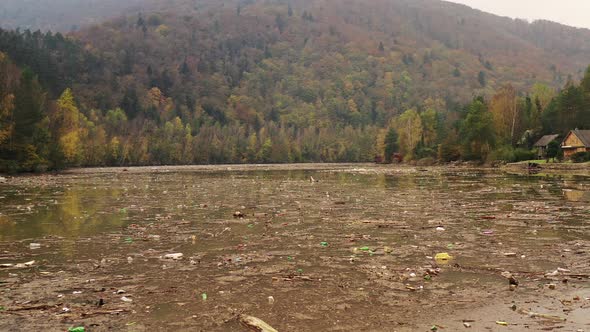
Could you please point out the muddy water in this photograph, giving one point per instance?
(352, 251)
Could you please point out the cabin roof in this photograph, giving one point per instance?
(545, 140)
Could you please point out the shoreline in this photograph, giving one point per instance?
(581, 169)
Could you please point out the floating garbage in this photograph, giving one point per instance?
(512, 281)
(77, 329)
(544, 316)
(18, 266)
(35, 245)
(442, 258)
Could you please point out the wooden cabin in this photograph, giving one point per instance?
(576, 141)
(542, 145)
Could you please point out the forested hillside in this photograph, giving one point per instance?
(204, 81)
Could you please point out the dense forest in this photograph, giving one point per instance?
(200, 81)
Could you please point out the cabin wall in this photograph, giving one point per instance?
(568, 152)
(573, 140)
(575, 145)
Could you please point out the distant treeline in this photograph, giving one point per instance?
(505, 127)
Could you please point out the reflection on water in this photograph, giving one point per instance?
(71, 211)
(576, 195)
(83, 205)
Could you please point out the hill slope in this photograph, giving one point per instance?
(395, 53)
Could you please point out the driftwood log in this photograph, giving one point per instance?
(255, 324)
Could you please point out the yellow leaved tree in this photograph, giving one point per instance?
(6, 103)
(505, 113)
(409, 128)
(6, 123)
(67, 116)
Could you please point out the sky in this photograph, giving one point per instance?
(570, 12)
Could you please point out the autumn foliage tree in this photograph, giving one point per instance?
(505, 113)
(67, 122)
(409, 128)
